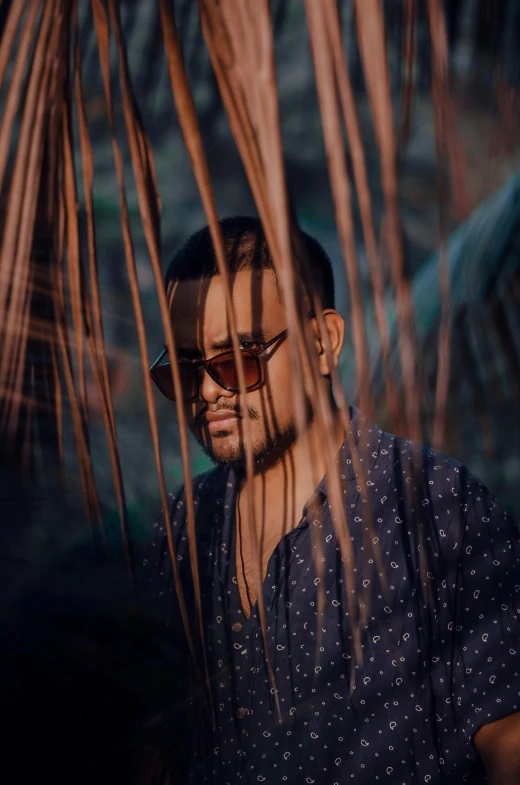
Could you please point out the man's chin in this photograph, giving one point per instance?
(224, 450)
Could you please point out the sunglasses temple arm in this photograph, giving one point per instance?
(158, 360)
(265, 346)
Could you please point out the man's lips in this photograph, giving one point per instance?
(217, 421)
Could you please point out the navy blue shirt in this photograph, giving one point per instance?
(437, 613)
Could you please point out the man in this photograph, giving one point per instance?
(432, 692)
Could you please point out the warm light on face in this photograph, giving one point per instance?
(201, 331)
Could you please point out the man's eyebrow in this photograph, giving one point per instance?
(255, 336)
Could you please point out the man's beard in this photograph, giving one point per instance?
(268, 448)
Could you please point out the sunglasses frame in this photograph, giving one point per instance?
(206, 366)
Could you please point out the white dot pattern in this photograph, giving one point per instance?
(439, 627)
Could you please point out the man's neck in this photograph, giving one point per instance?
(280, 492)
(279, 495)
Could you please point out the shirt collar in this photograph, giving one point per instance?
(366, 437)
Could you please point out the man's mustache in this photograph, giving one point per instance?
(199, 421)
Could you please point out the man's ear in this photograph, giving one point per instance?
(335, 327)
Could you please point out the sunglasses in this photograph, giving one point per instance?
(221, 368)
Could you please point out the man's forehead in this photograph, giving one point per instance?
(252, 291)
(198, 308)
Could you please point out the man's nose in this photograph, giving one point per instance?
(211, 391)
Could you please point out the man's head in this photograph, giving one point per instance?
(201, 331)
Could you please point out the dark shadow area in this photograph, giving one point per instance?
(88, 676)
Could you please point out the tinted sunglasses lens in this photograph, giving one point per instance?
(224, 370)
(190, 381)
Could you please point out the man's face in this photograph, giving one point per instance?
(201, 331)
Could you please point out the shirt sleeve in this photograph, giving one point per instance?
(487, 614)
(155, 574)
(172, 724)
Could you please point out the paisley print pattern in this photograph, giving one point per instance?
(435, 601)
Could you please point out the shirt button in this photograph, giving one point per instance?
(241, 713)
(237, 627)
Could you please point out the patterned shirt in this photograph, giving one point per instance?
(386, 656)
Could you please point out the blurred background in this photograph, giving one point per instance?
(46, 540)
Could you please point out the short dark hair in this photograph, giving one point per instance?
(246, 248)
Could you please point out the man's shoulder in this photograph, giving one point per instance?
(205, 485)
(435, 466)
(441, 486)
(411, 468)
